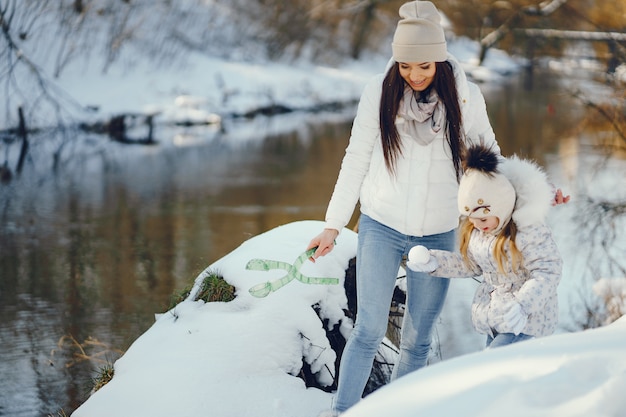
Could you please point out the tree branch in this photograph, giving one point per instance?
(494, 37)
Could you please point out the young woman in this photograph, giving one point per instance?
(504, 239)
(403, 164)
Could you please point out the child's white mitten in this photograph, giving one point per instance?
(514, 320)
(420, 260)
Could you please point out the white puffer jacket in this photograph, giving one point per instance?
(420, 199)
(534, 286)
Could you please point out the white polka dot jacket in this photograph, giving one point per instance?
(534, 284)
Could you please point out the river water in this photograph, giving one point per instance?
(89, 254)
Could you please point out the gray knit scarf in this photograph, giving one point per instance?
(420, 119)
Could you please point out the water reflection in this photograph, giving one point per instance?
(97, 253)
(97, 250)
(531, 122)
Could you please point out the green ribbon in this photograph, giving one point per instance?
(293, 272)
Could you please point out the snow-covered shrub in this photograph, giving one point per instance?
(612, 291)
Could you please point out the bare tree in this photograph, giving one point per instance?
(543, 9)
(328, 30)
(600, 219)
(40, 39)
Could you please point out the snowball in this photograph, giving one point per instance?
(419, 254)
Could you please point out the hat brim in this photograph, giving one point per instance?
(420, 53)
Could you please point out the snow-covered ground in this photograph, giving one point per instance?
(240, 358)
(207, 90)
(236, 358)
(567, 375)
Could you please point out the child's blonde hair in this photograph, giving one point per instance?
(506, 235)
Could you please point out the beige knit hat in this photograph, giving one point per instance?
(483, 190)
(419, 36)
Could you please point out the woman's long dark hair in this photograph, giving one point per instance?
(444, 84)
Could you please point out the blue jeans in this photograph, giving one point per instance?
(503, 339)
(379, 254)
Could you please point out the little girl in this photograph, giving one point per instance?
(504, 239)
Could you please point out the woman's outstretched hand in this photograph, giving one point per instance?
(325, 242)
(559, 198)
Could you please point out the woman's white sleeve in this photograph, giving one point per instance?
(356, 161)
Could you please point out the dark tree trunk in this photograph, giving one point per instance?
(23, 133)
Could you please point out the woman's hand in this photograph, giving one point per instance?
(559, 198)
(325, 242)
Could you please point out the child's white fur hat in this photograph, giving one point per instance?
(483, 190)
